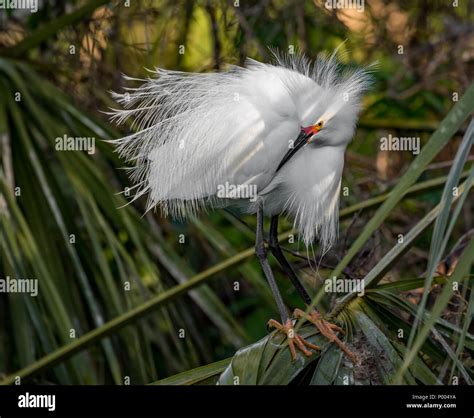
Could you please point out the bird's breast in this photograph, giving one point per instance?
(310, 179)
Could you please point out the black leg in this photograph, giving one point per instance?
(261, 252)
(285, 265)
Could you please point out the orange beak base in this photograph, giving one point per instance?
(310, 130)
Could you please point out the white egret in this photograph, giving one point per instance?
(268, 137)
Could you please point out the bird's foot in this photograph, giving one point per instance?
(327, 329)
(294, 340)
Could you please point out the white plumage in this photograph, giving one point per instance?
(197, 132)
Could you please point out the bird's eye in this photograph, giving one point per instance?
(319, 124)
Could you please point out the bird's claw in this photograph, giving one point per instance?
(327, 329)
(293, 338)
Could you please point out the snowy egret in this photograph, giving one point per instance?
(268, 137)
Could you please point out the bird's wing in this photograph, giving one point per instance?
(195, 132)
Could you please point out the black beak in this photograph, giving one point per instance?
(300, 142)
